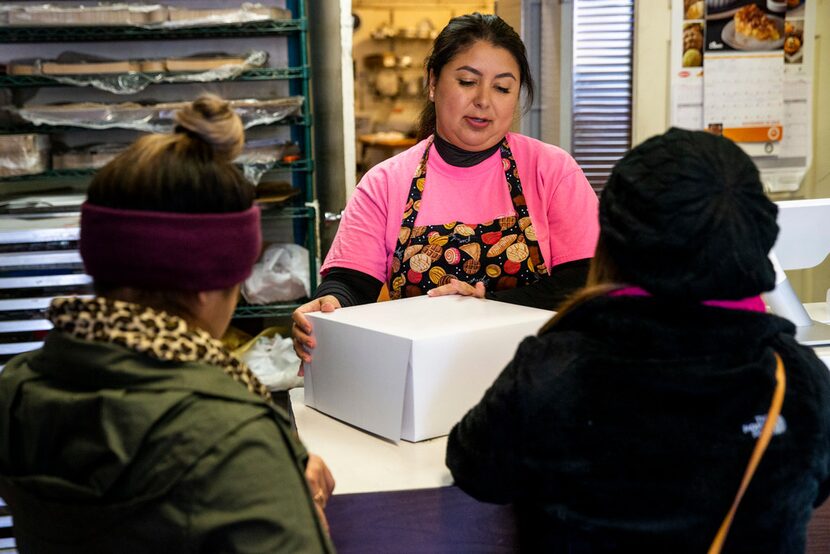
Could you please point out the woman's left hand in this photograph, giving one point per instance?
(321, 484)
(457, 286)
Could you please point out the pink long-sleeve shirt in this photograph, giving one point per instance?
(562, 205)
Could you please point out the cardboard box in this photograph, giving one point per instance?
(410, 369)
(89, 68)
(69, 66)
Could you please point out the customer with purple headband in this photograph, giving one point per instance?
(133, 429)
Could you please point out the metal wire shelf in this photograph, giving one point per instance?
(79, 34)
(303, 120)
(256, 74)
(53, 174)
(268, 310)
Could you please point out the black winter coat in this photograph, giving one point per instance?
(627, 427)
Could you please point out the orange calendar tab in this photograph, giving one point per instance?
(772, 133)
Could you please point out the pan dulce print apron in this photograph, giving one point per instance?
(501, 253)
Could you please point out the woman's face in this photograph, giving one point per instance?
(476, 96)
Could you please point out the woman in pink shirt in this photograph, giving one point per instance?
(472, 209)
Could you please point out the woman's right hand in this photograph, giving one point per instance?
(301, 331)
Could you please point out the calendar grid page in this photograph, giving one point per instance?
(743, 95)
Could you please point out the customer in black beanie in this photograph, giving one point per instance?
(628, 423)
(684, 215)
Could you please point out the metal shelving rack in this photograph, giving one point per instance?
(303, 119)
(48, 257)
(304, 166)
(110, 33)
(256, 74)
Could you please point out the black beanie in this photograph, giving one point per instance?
(684, 215)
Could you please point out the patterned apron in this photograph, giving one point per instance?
(501, 253)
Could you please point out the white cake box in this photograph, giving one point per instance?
(410, 369)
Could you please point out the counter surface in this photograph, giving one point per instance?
(361, 462)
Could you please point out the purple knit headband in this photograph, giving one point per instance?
(168, 250)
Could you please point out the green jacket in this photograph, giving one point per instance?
(106, 450)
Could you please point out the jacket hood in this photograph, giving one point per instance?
(99, 428)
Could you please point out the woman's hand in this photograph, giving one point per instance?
(321, 484)
(457, 286)
(301, 331)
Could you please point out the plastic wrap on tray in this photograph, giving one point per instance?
(23, 154)
(257, 157)
(260, 156)
(264, 112)
(135, 15)
(204, 17)
(132, 76)
(79, 15)
(92, 156)
(154, 118)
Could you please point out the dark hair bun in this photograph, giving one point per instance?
(213, 120)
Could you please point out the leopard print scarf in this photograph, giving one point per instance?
(153, 333)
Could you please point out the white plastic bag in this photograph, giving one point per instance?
(281, 275)
(274, 362)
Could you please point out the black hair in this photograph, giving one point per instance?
(461, 33)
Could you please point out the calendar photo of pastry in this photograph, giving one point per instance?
(693, 9)
(693, 45)
(744, 25)
(793, 40)
(753, 28)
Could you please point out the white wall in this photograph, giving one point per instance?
(817, 183)
(651, 109)
(652, 35)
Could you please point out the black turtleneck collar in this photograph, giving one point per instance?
(459, 157)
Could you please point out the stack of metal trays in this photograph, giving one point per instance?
(39, 261)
